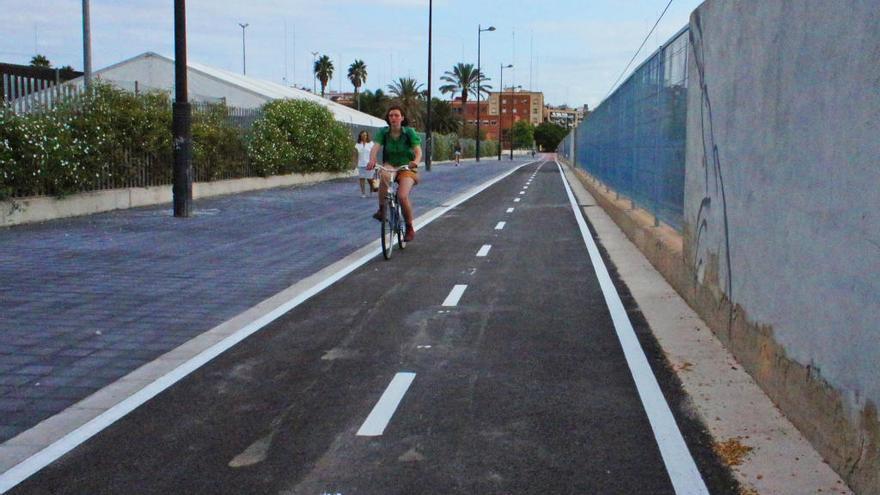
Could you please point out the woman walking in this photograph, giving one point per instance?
(363, 148)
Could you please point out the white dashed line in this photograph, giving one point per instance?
(510, 210)
(484, 250)
(516, 200)
(500, 226)
(454, 295)
(381, 414)
(522, 192)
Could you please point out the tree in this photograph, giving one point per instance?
(374, 104)
(357, 74)
(41, 61)
(324, 71)
(443, 118)
(523, 134)
(548, 135)
(463, 78)
(408, 93)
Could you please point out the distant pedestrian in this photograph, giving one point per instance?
(363, 147)
(457, 153)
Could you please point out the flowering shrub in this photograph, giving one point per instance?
(295, 136)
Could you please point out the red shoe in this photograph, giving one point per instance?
(410, 234)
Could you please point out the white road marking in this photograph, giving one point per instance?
(522, 192)
(454, 295)
(381, 414)
(500, 225)
(516, 200)
(510, 210)
(64, 443)
(484, 250)
(680, 465)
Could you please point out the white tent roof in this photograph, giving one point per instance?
(262, 89)
(277, 91)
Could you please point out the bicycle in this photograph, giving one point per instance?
(394, 223)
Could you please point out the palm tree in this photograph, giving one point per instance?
(408, 93)
(40, 61)
(463, 78)
(357, 74)
(324, 71)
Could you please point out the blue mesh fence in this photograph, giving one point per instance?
(635, 140)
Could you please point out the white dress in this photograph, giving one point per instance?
(363, 150)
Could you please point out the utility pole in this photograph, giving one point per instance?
(181, 119)
(87, 45)
(243, 53)
(428, 147)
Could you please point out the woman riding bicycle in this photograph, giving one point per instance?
(400, 146)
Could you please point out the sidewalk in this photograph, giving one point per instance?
(87, 300)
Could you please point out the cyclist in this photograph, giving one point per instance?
(400, 146)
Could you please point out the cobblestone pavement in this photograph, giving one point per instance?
(85, 301)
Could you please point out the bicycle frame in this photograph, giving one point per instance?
(394, 223)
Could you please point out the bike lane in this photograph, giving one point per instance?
(520, 383)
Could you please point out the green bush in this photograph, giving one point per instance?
(295, 136)
(218, 146)
(444, 146)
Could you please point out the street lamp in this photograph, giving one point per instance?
(428, 144)
(479, 80)
(87, 45)
(501, 109)
(243, 59)
(181, 123)
(314, 73)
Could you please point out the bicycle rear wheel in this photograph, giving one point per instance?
(388, 224)
(401, 228)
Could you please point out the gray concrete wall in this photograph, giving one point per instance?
(782, 206)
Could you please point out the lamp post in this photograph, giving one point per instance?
(428, 144)
(510, 133)
(501, 109)
(243, 57)
(87, 45)
(314, 74)
(479, 81)
(181, 119)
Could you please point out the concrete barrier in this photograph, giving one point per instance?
(39, 209)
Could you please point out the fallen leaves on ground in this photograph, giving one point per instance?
(732, 451)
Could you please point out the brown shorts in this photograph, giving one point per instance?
(408, 173)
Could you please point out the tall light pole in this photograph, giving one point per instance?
(428, 146)
(243, 58)
(87, 45)
(510, 133)
(181, 119)
(501, 109)
(314, 74)
(479, 81)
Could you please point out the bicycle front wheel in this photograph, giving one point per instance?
(388, 230)
(401, 229)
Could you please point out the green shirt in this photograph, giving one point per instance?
(395, 151)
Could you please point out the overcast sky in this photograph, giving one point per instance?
(572, 50)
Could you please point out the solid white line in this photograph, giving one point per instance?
(680, 465)
(510, 210)
(484, 250)
(500, 225)
(381, 414)
(516, 200)
(454, 295)
(71, 440)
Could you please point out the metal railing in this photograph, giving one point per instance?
(634, 142)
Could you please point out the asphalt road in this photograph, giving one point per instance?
(520, 385)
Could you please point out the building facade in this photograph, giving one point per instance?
(501, 110)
